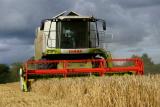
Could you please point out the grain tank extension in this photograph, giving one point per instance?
(70, 45)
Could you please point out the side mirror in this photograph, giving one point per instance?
(42, 25)
(103, 22)
(104, 25)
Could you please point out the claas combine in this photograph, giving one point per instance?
(70, 45)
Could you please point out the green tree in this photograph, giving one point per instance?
(14, 68)
(9, 74)
(147, 60)
(4, 70)
(149, 66)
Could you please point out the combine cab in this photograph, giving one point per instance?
(69, 45)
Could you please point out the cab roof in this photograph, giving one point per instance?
(71, 15)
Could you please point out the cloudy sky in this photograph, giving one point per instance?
(135, 25)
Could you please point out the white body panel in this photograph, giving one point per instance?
(49, 35)
(44, 40)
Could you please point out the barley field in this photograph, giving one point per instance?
(115, 91)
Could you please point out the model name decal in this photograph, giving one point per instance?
(75, 51)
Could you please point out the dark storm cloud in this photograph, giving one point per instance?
(19, 18)
(18, 21)
(137, 3)
(4, 49)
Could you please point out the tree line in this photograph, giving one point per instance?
(9, 73)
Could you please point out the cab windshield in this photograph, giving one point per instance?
(75, 34)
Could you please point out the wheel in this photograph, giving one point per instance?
(23, 83)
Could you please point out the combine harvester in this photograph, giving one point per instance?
(69, 45)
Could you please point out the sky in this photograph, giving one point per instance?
(135, 25)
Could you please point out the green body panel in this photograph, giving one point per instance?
(52, 51)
